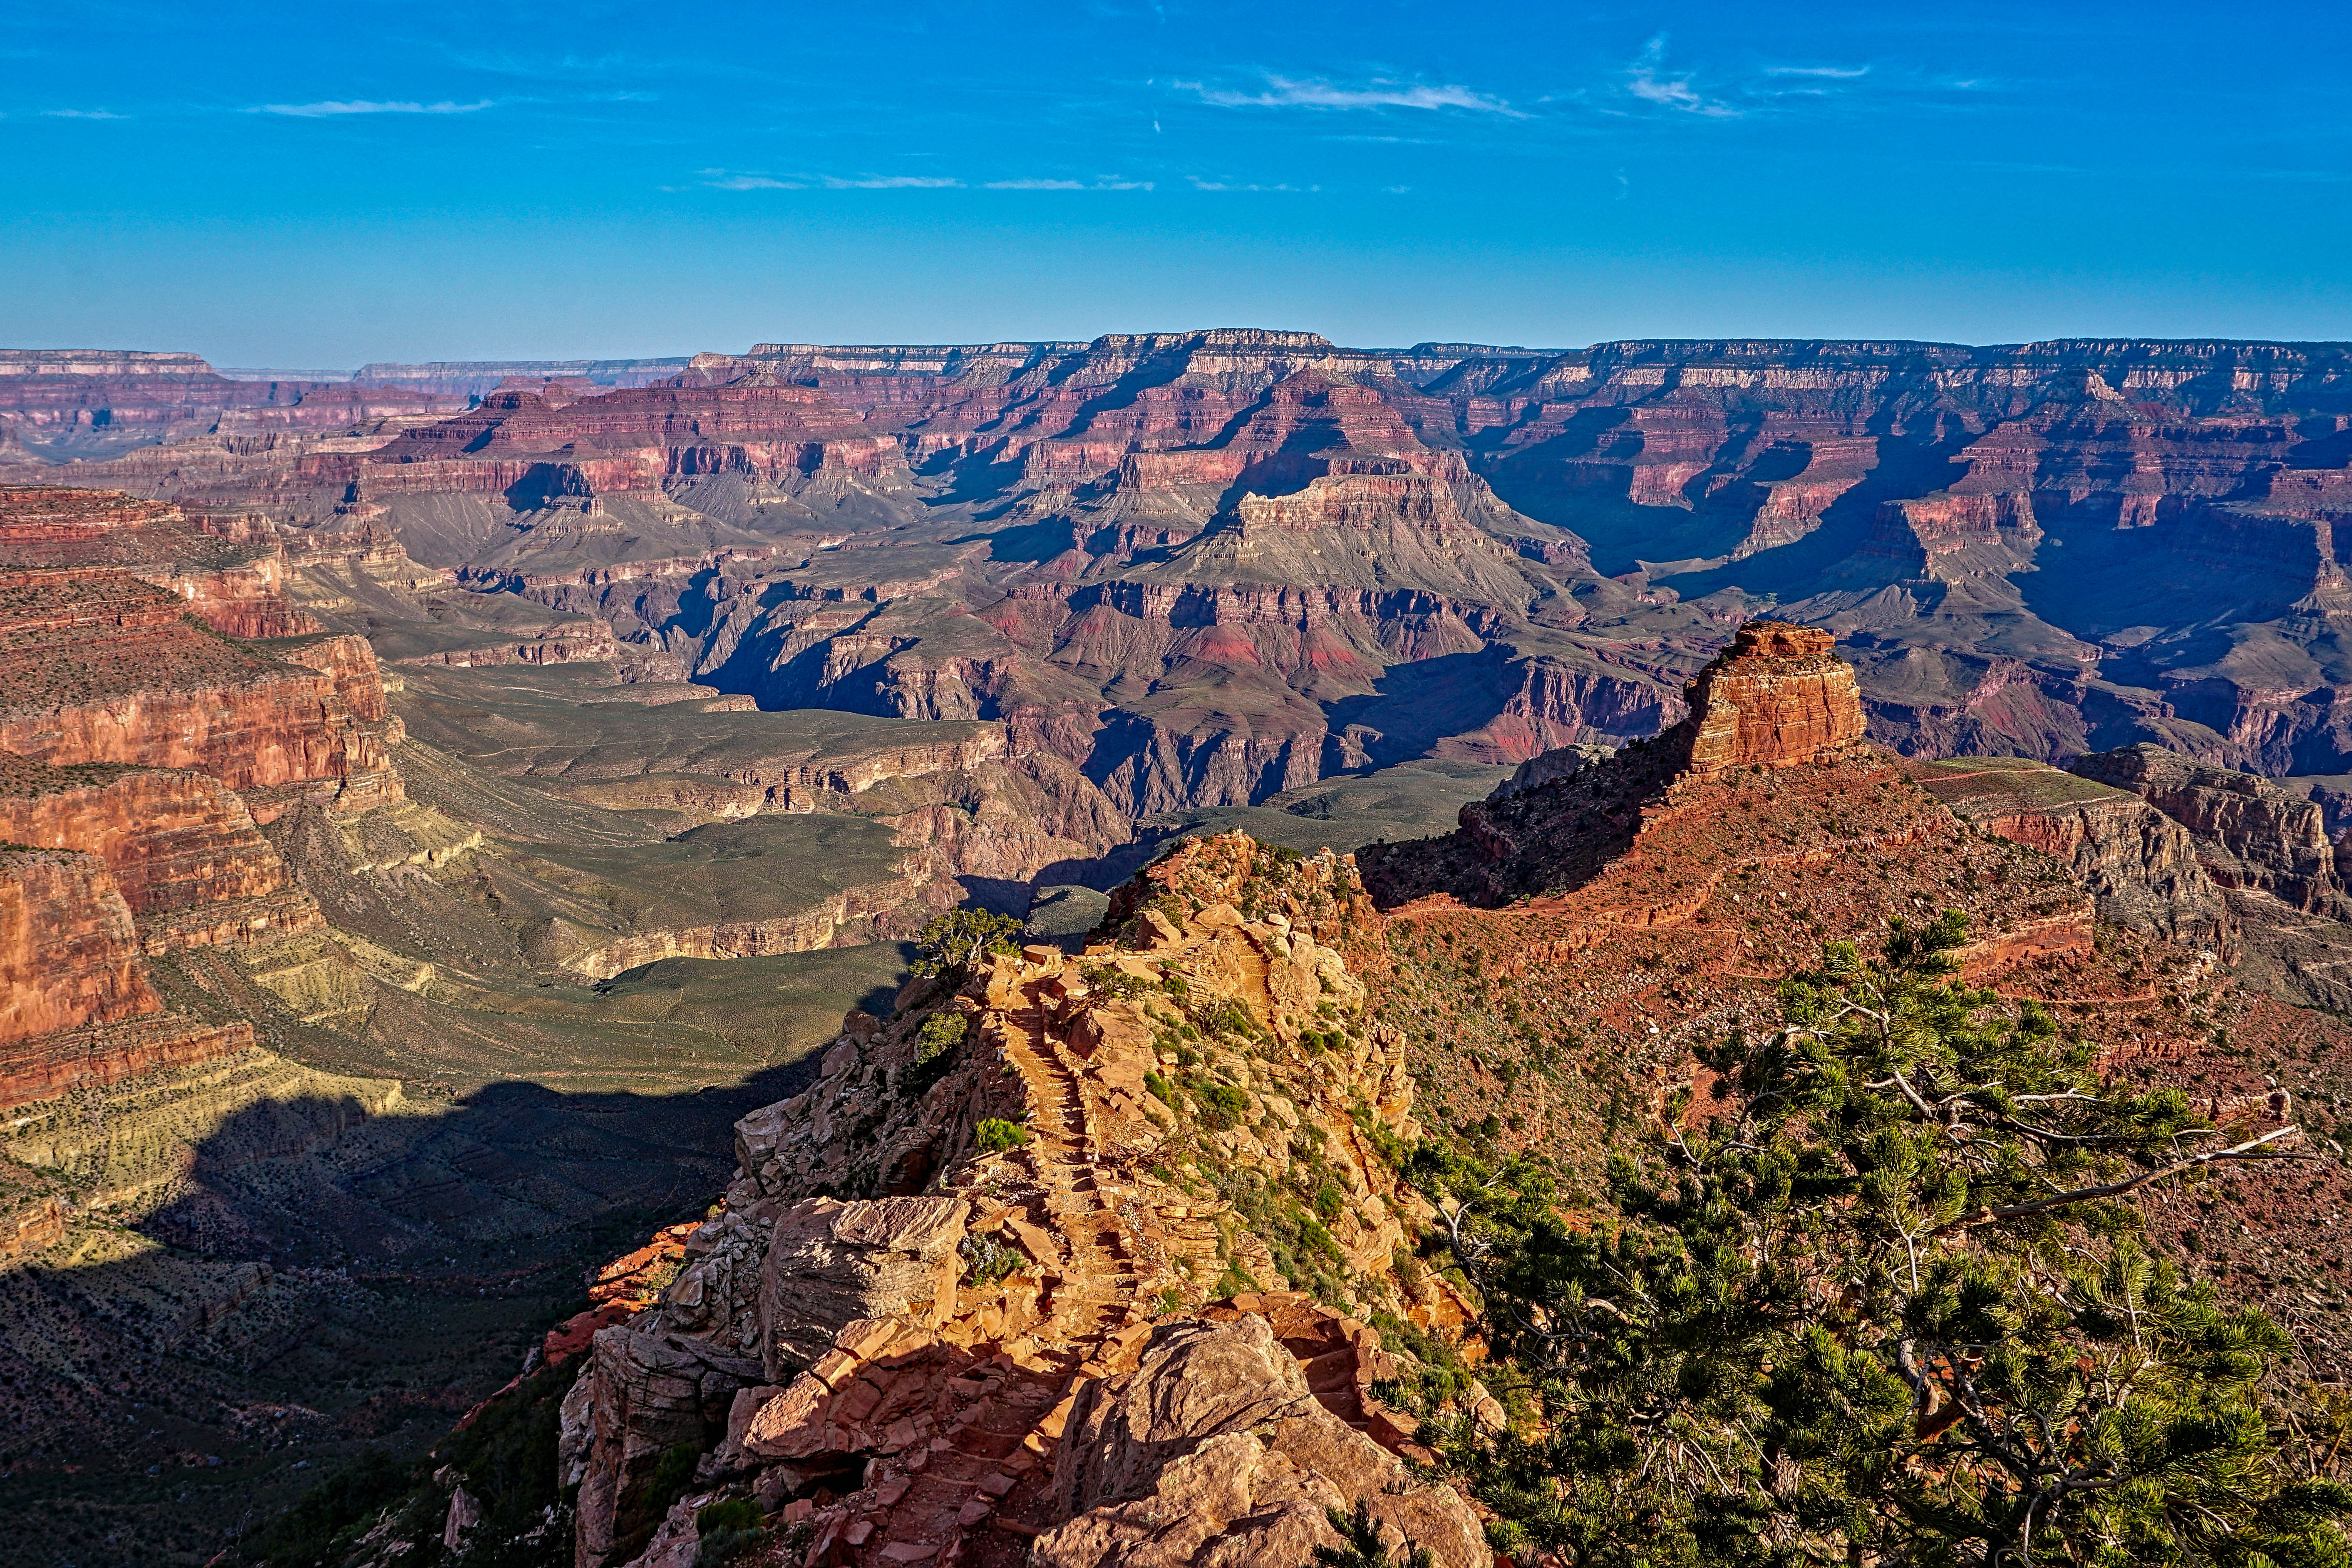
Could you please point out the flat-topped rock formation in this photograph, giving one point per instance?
(1776, 698)
(93, 402)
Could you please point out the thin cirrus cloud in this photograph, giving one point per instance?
(724, 180)
(1102, 184)
(1289, 92)
(1201, 184)
(1648, 79)
(329, 108)
(82, 115)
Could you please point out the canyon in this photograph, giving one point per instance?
(1207, 568)
(438, 810)
(1106, 1257)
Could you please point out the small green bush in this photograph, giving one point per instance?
(987, 1260)
(736, 1512)
(1329, 1201)
(1221, 1105)
(998, 1135)
(935, 1049)
(672, 1475)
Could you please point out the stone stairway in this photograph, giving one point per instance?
(977, 1490)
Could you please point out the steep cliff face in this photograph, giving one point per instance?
(1776, 698)
(2268, 849)
(959, 1283)
(2251, 834)
(100, 666)
(75, 1006)
(183, 849)
(2141, 865)
(71, 954)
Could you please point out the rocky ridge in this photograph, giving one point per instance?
(1107, 1166)
(94, 402)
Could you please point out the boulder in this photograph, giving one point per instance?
(1214, 1452)
(831, 1263)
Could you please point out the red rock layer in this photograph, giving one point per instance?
(42, 1066)
(69, 953)
(1776, 698)
(230, 571)
(100, 666)
(178, 844)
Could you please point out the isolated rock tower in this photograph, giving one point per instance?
(1775, 697)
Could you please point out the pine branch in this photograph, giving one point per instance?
(2246, 1151)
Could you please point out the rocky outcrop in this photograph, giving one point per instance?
(830, 1264)
(978, 1212)
(69, 953)
(1657, 836)
(1213, 1451)
(100, 666)
(2252, 835)
(2141, 865)
(1776, 698)
(181, 848)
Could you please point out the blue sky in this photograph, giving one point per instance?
(312, 186)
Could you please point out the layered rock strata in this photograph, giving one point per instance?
(1776, 698)
(231, 570)
(100, 666)
(2268, 849)
(183, 849)
(2252, 835)
(76, 1005)
(2143, 866)
(85, 402)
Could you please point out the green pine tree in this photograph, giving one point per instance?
(1364, 1547)
(1892, 1311)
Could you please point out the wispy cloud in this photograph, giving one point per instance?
(1201, 184)
(82, 115)
(1105, 184)
(1648, 79)
(733, 180)
(1832, 73)
(1289, 92)
(328, 107)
